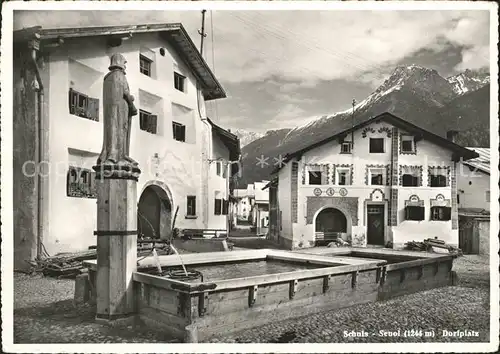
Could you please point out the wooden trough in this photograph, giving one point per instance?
(195, 311)
(406, 272)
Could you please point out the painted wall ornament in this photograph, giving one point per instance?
(343, 192)
(366, 130)
(414, 198)
(330, 192)
(119, 109)
(387, 130)
(317, 192)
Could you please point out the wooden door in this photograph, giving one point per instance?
(375, 225)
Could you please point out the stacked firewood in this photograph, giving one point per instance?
(429, 244)
(69, 265)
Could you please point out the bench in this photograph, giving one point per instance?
(204, 233)
(327, 237)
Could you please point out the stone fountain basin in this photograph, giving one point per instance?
(279, 285)
(249, 288)
(405, 272)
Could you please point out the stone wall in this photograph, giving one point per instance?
(347, 205)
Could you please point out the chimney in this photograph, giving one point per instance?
(451, 135)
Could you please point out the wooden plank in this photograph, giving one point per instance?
(171, 324)
(259, 315)
(418, 262)
(175, 285)
(288, 276)
(163, 299)
(416, 279)
(237, 300)
(205, 258)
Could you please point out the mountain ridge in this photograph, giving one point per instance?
(414, 93)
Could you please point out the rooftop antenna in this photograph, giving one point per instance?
(202, 32)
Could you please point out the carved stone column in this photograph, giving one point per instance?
(116, 240)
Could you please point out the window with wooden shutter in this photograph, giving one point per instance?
(153, 120)
(93, 109)
(83, 106)
(179, 131)
(218, 207)
(218, 168)
(85, 182)
(93, 185)
(72, 188)
(225, 205)
(72, 101)
(441, 213)
(191, 205)
(147, 121)
(414, 213)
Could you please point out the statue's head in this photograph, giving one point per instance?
(117, 62)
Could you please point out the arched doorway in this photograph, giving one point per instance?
(154, 213)
(330, 221)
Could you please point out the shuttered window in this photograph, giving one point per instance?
(147, 121)
(218, 207)
(191, 205)
(179, 132)
(83, 106)
(441, 213)
(81, 183)
(414, 213)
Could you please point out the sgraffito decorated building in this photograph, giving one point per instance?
(58, 132)
(383, 181)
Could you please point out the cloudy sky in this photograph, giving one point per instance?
(281, 68)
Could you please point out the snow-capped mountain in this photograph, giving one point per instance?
(469, 80)
(246, 137)
(417, 94)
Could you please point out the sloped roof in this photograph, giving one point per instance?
(482, 162)
(231, 141)
(173, 33)
(345, 127)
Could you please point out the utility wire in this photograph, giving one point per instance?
(282, 35)
(350, 55)
(216, 110)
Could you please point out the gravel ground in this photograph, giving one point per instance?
(45, 313)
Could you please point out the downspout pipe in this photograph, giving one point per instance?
(41, 154)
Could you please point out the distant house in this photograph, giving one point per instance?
(383, 181)
(244, 199)
(261, 208)
(473, 181)
(178, 148)
(252, 204)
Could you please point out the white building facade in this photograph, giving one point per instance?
(473, 179)
(396, 183)
(179, 150)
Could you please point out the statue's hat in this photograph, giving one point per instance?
(117, 62)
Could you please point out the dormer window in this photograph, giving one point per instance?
(407, 144)
(345, 148)
(376, 145)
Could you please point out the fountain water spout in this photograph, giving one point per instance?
(180, 258)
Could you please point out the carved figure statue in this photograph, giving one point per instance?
(118, 111)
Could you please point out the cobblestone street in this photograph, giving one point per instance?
(44, 313)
